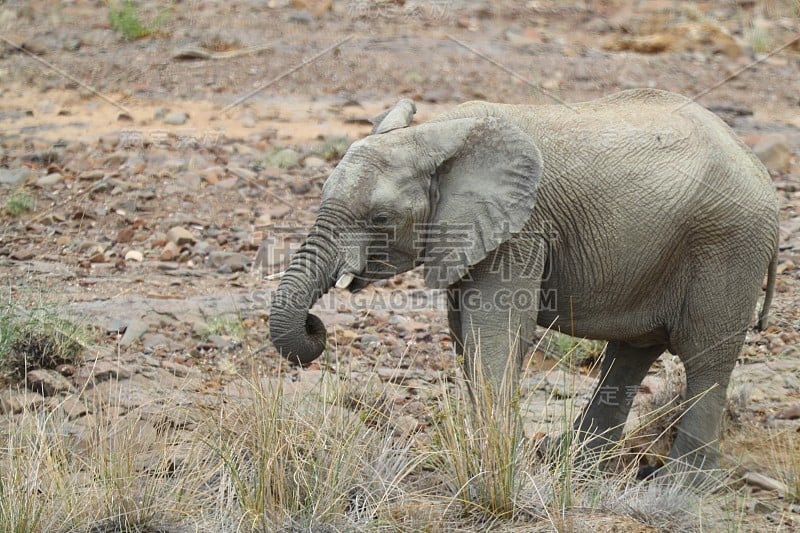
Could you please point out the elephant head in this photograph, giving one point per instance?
(443, 194)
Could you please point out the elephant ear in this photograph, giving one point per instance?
(396, 117)
(485, 175)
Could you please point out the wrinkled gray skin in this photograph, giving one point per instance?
(638, 218)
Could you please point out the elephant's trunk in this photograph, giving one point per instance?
(298, 335)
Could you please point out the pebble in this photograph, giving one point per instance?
(47, 382)
(774, 152)
(134, 330)
(116, 325)
(249, 121)
(134, 255)
(244, 173)
(97, 371)
(279, 211)
(14, 176)
(23, 255)
(91, 175)
(314, 162)
(50, 179)
(125, 235)
(176, 119)
(228, 262)
(212, 174)
(170, 252)
(790, 413)
(154, 341)
(180, 236)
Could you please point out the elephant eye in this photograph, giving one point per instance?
(380, 219)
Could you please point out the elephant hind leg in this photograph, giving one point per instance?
(708, 341)
(622, 370)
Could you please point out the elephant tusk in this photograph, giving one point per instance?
(344, 280)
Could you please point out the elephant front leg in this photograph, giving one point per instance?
(492, 315)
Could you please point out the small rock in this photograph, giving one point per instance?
(50, 180)
(244, 173)
(170, 252)
(134, 255)
(774, 152)
(93, 373)
(65, 369)
(22, 255)
(790, 413)
(176, 369)
(201, 248)
(279, 211)
(125, 235)
(176, 119)
(191, 180)
(220, 342)
(180, 236)
(314, 162)
(154, 341)
(761, 481)
(47, 382)
(300, 187)
(191, 52)
(228, 262)
(228, 183)
(91, 175)
(134, 330)
(14, 176)
(369, 339)
(249, 121)
(213, 174)
(15, 402)
(35, 47)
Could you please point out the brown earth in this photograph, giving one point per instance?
(120, 141)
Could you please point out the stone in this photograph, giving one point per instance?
(244, 173)
(14, 176)
(134, 255)
(170, 252)
(314, 162)
(91, 175)
(98, 371)
(228, 262)
(116, 325)
(134, 330)
(212, 174)
(17, 401)
(49, 180)
(369, 339)
(24, 254)
(687, 37)
(790, 413)
(47, 382)
(156, 340)
(177, 118)
(180, 236)
(177, 369)
(125, 235)
(774, 152)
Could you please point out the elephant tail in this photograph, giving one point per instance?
(771, 273)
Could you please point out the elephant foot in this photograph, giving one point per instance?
(647, 472)
(675, 473)
(583, 450)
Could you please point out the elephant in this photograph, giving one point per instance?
(638, 218)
